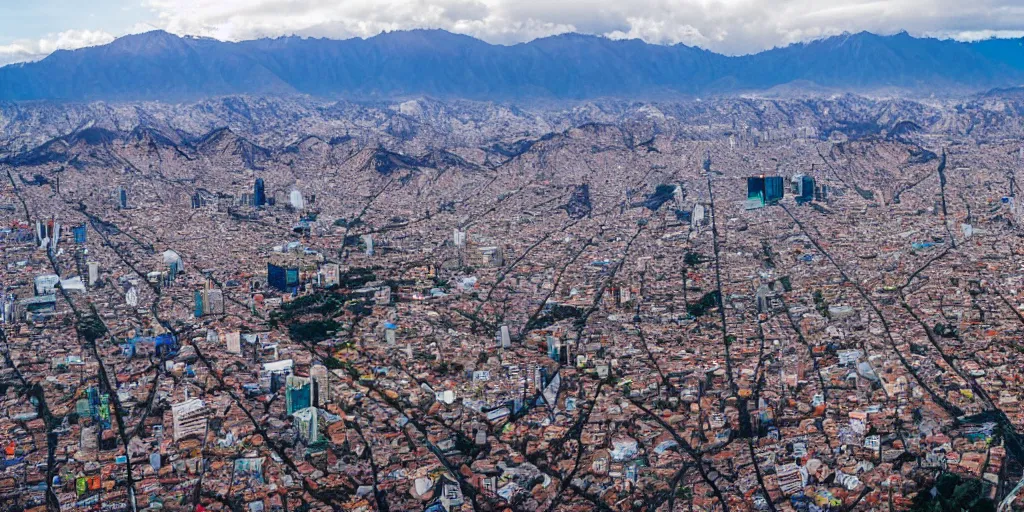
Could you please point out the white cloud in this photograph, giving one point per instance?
(34, 49)
(726, 26)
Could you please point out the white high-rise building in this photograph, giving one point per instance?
(505, 337)
(234, 342)
(94, 273)
(296, 199)
(368, 241)
(189, 418)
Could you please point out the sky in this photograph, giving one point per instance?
(32, 29)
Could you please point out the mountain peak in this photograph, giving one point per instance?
(150, 42)
(158, 65)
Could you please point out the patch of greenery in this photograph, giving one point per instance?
(708, 301)
(946, 330)
(692, 259)
(91, 328)
(954, 493)
(662, 194)
(313, 331)
(821, 305)
(556, 314)
(333, 363)
(787, 284)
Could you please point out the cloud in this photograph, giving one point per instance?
(26, 50)
(726, 26)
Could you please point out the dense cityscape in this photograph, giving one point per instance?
(618, 308)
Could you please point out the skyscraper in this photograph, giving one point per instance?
(282, 278)
(774, 188)
(307, 424)
(319, 375)
(296, 199)
(803, 188)
(200, 308)
(755, 192)
(80, 232)
(94, 272)
(259, 195)
(298, 393)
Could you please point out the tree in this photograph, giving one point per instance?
(953, 493)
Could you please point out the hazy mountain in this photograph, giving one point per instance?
(161, 66)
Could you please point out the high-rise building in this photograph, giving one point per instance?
(821, 193)
(307, 424)
(81, 233)
(122, 198)
(93, 272)
(298, 393)
(209, 301)
(368, 242)
(282, 278)
(189, 418)
(320, 376)
(234, 342)
(296, 200)
(259, 195)
(774, 189)
(200, 308)
(802, 186)
(504, 337)
(755, 192)
(764, 190)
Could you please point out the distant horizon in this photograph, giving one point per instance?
(989, 37)
(159, 65)
(727, 27)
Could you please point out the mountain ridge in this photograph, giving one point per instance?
(401, 64)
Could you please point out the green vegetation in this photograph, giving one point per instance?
(708, 301)
(333, 363)
(821, 305)
(91, 328)
(946, 330)
(313, 331)
(692, 259)
(555, 314)
(954, 493)
(787, 284)
(661, 195)
(866, 194)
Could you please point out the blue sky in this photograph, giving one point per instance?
(31, 29)
(33, 19)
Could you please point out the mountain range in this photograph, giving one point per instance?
(160, 66)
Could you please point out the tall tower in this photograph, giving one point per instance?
(259, 195)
